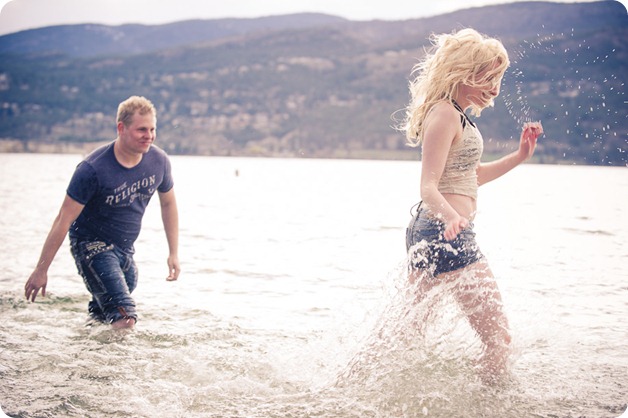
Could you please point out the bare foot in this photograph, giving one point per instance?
(124, 323)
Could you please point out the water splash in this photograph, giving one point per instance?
(421, 354)
(585, 104)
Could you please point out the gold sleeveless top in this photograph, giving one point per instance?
(459, 175)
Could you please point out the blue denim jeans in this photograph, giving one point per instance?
(110, 275)
(429, 250)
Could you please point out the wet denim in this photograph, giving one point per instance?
(429, 250)
(110, 275)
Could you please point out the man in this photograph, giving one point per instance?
(103, 210)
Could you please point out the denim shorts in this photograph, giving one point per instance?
(110, 275)
(429, 250)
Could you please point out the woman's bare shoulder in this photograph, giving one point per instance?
(442, 114)
(444, 109)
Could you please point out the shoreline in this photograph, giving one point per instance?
(13, 146)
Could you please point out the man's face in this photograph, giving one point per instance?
(140, 134)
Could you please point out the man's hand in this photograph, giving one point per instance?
(38, 280)
(173, 268)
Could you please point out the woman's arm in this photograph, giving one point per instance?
(490, 171)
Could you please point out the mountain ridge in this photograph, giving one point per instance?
(91, 39)
(330, 88)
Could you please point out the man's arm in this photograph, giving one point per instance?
(70, 210)
(170, 218)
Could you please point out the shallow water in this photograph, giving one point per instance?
(291, 301)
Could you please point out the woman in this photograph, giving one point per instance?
(462, 71)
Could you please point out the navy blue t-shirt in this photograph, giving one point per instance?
(115, 197)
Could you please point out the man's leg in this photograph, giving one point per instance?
(105, 270)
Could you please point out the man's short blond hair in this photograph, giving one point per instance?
(132, 105)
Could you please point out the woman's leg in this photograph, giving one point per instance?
(478, 295)
(421, 282)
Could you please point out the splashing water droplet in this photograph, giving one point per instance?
(583, 81)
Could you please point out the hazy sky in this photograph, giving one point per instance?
(18, 15)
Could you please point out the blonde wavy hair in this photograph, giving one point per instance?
(134, 104)
(463, 57)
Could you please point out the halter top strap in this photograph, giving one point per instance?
(463, 116)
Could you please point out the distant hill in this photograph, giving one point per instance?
(91, 40)
(315, 85)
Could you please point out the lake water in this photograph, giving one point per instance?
(290, 299)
